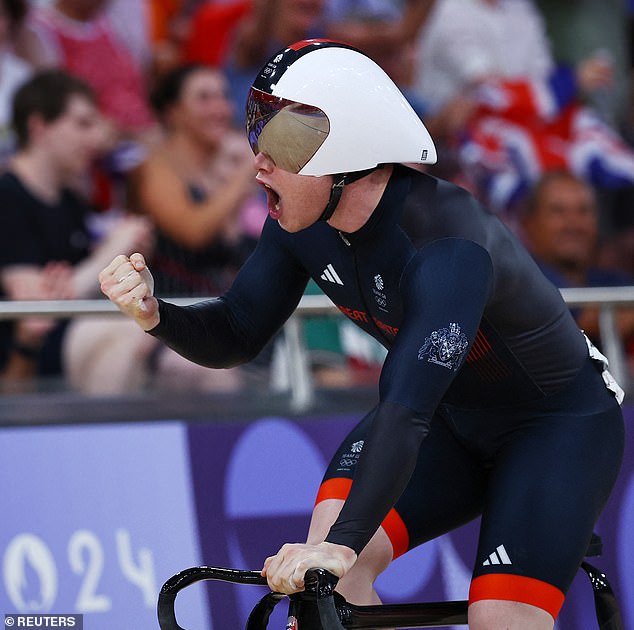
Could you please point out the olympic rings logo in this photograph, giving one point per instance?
(348, 462)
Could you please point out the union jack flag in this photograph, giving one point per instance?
(523, 128)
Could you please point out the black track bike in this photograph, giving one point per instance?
(320, 607)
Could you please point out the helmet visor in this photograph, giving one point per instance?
(288, 132)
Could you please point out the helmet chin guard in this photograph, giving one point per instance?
(320, 107)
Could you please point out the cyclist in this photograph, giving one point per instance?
(492, 401)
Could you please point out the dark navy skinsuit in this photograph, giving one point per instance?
(482, 350)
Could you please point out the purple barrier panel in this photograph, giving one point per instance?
(94, 520)
(255, 485)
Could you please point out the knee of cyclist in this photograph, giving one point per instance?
(507, 615)
(377, 554)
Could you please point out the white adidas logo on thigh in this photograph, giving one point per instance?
(499, 556)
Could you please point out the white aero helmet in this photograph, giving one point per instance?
(321, 107)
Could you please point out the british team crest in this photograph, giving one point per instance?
(445, 347)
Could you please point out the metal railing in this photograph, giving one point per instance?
(607, 299)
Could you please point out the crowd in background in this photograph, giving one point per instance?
(121, 130)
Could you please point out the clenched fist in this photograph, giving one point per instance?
(285, 570)
(129, 284)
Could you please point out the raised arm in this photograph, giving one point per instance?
(220, 332)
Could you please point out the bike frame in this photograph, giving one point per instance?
(319, 607)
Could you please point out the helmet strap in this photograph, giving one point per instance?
(339, 181)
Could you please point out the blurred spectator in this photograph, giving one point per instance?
(198, 188)
(525, 116)
(466, 41)
(47, 250)
(14, 71)
(561, 229)
(78, 36)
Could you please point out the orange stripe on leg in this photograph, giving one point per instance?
(517, 588)
(397, 533)
(339, 488)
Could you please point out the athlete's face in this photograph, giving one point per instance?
(562, 228)
(295, 201)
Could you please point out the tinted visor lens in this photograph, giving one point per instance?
(288, 132)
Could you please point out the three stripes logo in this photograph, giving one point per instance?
(330, 275)
(499, 556)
